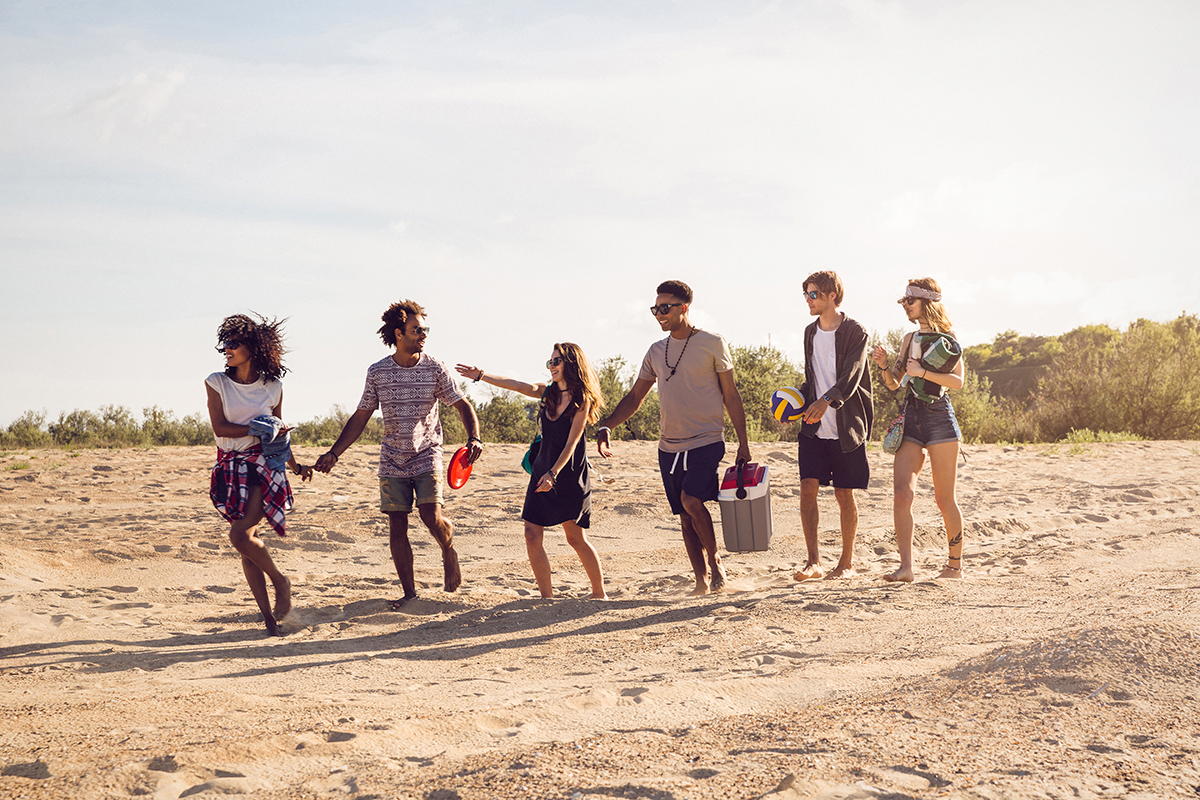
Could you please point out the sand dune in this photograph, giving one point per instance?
(134, 663)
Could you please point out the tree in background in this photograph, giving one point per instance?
(758, 372)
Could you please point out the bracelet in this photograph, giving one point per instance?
(299, 471)
(603, 428)
(331, 453)
(474, 439)
(923, 374)
(479, 378)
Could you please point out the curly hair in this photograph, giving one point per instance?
(263, 338)
(397, 317)
(932, 310)
(581, 382)
(678, 289)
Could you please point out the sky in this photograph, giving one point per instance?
(530, 171)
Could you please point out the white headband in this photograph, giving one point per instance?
(917, 291)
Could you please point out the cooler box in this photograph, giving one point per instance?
(746, 522)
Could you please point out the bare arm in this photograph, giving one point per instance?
(350, 433)
(951, 380)
(216, 415)
(578, 423)
(625, 409)
(534, 390)
(470, 421)
(737, 412)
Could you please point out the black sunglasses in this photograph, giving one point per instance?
(908, 301)
(662, 309)
(812, 294)
(554, 362)
(420, 331)
(226, 346)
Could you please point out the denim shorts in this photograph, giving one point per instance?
(930, 423)
(398, 494)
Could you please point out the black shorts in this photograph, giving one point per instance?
(691, 471)
(824, 461)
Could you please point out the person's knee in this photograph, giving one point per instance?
(533, 534)
(809, 489)
(693, 507)
(845, 497)
(576, 538)
(431, 515)
(903, 495)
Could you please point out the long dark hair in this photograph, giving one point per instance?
(581, 382)
(263, 338)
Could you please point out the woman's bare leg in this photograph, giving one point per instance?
(538, 558)
(577, 538)
(257, 563)
(943, 463)
(909, 460)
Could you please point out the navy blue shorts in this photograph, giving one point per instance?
(931, 423)
(824, 461)
(691, 471)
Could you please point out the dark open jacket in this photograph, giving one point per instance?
(851, 395)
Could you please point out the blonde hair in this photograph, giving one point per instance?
(581, 381)
(932, 310)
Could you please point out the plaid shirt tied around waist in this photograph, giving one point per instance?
(230, 486)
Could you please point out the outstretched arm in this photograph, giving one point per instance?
(737, 412)
(535, 390)
(625, 409)
(350, 433)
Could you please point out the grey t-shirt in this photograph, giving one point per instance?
(691, 408)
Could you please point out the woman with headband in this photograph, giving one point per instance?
(928, 365)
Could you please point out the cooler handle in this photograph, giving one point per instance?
(741, 480)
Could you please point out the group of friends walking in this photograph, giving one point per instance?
(693, 370)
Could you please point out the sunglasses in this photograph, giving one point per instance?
(420, 331)
(812, 294)
(908, 301)
(227, 346)
(554, 362)
(662, 309)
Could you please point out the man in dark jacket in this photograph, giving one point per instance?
(833, 445)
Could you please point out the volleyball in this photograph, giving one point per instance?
(787, 404)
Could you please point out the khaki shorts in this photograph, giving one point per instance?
(396, 494)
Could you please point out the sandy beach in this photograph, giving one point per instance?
(134, 663)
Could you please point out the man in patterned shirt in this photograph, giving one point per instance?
(407, 386)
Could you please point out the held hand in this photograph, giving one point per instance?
(546, 483)
(602, 445)
(306, 473)
(474, 450)
(326, 462)
(472, 373)
(815, 410)
(743, 453)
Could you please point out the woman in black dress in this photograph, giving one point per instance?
(560, 489)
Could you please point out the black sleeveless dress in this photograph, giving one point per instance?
(571, 498)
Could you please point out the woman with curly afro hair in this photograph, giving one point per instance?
(244, 488)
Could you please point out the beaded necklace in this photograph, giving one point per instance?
(667, 352)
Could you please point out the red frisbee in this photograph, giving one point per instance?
(459, 469)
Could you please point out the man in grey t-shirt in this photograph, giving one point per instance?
(694, 372)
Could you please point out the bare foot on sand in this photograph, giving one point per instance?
(810, 571)
(283, 598)
(718, 577)
(951, 573)
(902, 575)
(395, 605)
(841, 572)
(273, 627)
(450, 570)
(600, 596)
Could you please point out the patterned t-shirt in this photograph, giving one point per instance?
(412, 428)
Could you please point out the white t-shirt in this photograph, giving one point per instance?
(825, 370)
(243, 402)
